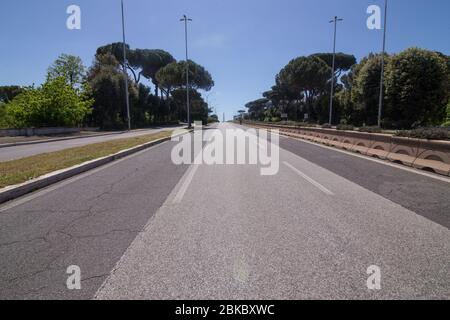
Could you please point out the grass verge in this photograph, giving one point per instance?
(25, 169)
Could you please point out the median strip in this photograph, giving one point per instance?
(22, 176)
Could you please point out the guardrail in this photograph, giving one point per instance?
(426, 155)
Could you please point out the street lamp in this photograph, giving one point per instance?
(125, 74)
(335, 21)
(380, 107)
(185, 19)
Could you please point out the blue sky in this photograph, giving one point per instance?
(242, 43)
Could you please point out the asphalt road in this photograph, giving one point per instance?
(17, 152)
(144, 228)
(87, 221)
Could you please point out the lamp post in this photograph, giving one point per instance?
(380, 106)
(185, 19)
(125, 74)
(335, 21)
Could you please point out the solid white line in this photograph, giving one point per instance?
(184, 187)
(189, 177)
(310, 180)
(383, 162)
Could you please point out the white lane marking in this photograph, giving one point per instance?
(189, 177)
(40, 193)
(182, 191)
(386, 163)
(310, 180)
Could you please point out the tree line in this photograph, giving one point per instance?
(416, 90)
(74, 95)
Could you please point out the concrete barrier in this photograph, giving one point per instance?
(421, 154)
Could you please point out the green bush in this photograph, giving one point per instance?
(326, 126)
(305, 124)
(447, 121)
(345, 127)
(370, 129)
(417, 83)
(213, 120)
(446, 125)
(54, 104)
(426, 133)
(4, 118)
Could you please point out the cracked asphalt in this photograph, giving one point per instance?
(144, 228)
(304, 233)
(88, 222)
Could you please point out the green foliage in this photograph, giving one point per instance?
(4, 118)
(213, 118)
(417, 88)
(107, 83)
(299, 88)
(343, 62)
(199, 108)
(174, 76)
(256, 109)
(365, 90)
(148, 62)
(372, 129)
(115, 50)
(68, 67)
(171, 76)
(53, 104)
(345, 127)
(158, 66)
(8, 93)
(448, 107)
(306, 76)
(426, 133)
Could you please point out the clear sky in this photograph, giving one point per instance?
(242, 43)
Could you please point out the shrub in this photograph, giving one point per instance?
(416, 88)
(4, 118)
(326, 126)
(426, 133)
(305, 124)
(345, 127)
(446, 125)
(55, 103)
(370, 129)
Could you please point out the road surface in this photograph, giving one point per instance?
(17, 152)
(144, 228)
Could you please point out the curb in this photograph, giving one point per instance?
(19, 190)
(15, 144)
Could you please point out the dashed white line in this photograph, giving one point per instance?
(310, 180)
